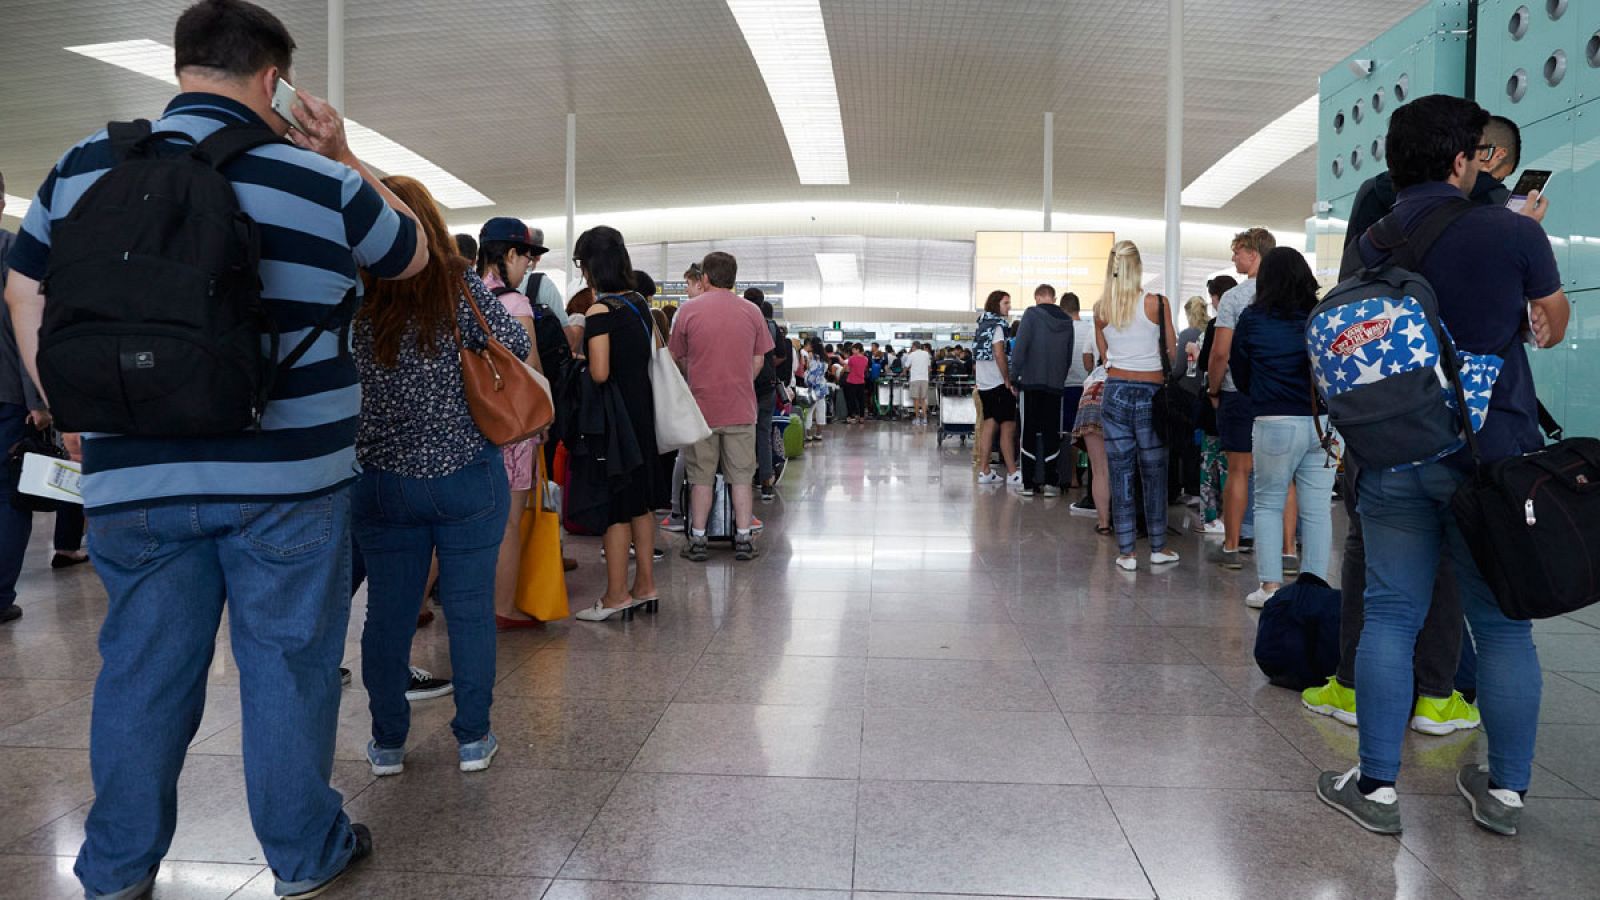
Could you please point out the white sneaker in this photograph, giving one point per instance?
(990, 477)
(1014, 479)
(1051, 490)
(1257, 598)
(1128, 563)
(1214, 528)
(1163, 557)
(1026, 491)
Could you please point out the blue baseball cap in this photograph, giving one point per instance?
(514, 231)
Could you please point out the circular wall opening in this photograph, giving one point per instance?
(1338, 123)
(1402, 88)
(1556, 8)
(1377, 102)
(1518, 26)
(1377, 149)
(1359, 111)
(1593, 50)
(1555, 68)
(1338, 168)
(1355, 158)
(1517, 85)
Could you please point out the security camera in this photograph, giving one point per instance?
(1361, 67)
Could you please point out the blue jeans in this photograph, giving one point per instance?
(1133, 443)
(16, 526)
(400, 524)
(284, 569)
(1408, 526)
(1287, 452)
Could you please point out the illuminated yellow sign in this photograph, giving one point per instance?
(1017, 262)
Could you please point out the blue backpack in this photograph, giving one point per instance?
(1381, 356)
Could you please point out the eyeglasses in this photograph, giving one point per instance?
(1485, 152)
(577, 261)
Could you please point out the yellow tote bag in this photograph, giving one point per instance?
(541, 584)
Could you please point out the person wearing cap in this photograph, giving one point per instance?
(507, 251)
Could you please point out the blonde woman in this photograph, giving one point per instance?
(1131, 330)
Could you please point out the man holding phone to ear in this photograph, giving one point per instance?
(258, 519)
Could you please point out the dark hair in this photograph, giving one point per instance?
(1071, 303)
(721, 269)
(1220, 285)
(1285, 286)
(1427, 134)
(468, 245)
(755, 295)
(766, 309)
(232, 37)
(671, 311)
(604, 258)
(492, 255)
(992, 305)
(816, 346)
(693, 273)
(1504, 133)
(644, 284)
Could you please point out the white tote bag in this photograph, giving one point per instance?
(679, 422)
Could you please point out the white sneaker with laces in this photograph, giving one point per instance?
(1257, 598)
(1014, 479)
(989, 477)
(1163, 557)
(1214, 528)
(1128, 563)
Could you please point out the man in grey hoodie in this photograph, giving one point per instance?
(1040, 362)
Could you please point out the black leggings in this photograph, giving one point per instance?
(855, 397)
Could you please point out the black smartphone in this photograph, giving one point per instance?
(1531, 180)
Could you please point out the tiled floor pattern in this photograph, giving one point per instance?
(922, 689)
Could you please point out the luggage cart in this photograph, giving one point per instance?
(891, 396)
(958, 413)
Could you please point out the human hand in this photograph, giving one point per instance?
(1216, 401)
(1539, 326)
(1536, 207)
(320, 128)
(74, 444)
(40, 419)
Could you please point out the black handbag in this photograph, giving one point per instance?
(1532, 523)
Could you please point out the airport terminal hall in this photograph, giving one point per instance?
(800, 450)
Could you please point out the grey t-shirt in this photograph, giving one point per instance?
(1233, 305)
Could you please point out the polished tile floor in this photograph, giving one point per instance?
(922, 688)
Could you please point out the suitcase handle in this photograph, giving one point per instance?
(1585, 450)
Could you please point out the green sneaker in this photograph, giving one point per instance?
(1332, 699)
(1447, 716)
(1496, 810)
(1378, 812)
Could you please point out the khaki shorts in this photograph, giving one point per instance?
(918, 390)
(734, 446)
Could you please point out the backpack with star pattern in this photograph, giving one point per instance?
(1384, 361)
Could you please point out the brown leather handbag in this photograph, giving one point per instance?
(509, 401)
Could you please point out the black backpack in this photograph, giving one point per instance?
(154, 324)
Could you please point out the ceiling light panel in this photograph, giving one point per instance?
(1281, 140)
(790, 46)
(155, 60)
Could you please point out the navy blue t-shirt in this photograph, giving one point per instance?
(1484, 269)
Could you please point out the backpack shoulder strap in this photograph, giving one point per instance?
(535, 282)
(134, 140)
(230, 142)
(1408, 250)
(502, 290)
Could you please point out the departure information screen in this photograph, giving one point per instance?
(1017, 262)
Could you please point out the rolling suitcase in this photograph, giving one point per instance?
(794, 437)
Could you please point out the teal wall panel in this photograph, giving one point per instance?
(1530, 56)
(1548, 145)
(1583, 232)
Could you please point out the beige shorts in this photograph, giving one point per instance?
(733, 446)
(918, 390)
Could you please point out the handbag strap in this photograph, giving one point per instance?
(647, 321)
(1161, 337)
(483, 323)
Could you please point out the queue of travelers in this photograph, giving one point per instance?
(370, 460)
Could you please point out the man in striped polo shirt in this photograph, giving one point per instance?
(260, 518)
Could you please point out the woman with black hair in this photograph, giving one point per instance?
(1269, 365)
(619, 337)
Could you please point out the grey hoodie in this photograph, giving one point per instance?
(1043, 353)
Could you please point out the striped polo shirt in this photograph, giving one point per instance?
(319, 222)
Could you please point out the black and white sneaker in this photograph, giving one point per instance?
(768, 494)
(425, 687)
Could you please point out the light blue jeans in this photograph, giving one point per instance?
(283, 570)
(1287, 452)
(1407, 523)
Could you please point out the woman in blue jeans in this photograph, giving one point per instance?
(1134, 333)
(1270, 366)
(432, 484)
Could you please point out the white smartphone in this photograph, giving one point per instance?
(283, 103)
(1531, 180)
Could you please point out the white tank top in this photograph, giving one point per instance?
(1137, 347)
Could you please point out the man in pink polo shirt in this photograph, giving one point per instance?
(719, 341)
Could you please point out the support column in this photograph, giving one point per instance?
(572, 195)
(1174, 206)
(336, 54)
(1049, 166)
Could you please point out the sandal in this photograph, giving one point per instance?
(1104, 531)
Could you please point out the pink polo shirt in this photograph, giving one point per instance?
(717, 336)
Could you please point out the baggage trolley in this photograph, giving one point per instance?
(958, 413)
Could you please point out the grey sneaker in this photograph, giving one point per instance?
(1378, 812)
(1498, 811)
(744, 549)
(695, 550)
